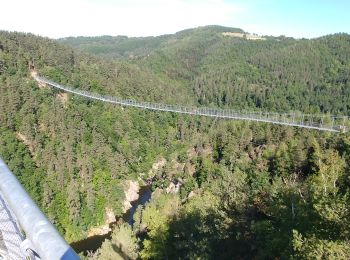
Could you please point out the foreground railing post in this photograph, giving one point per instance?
(44, 237)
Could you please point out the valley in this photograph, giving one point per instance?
(216, 188)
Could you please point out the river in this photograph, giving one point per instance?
(95, 242)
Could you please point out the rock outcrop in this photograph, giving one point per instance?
(131, 194)
(105, 228)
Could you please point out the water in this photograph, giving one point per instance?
(95, 242)
(144, 196)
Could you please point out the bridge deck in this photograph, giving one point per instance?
(319, 122)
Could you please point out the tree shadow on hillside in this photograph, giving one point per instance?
(194, 236)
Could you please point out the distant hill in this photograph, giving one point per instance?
(278, 73)
(123, 46)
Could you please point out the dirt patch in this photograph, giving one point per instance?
(248, 36)
(63, 98)
(173, 188)
(191, 153)
(34, 75)
(42, 85)
(160, 163)
(25, 140)
(42, 128)
(234, 34)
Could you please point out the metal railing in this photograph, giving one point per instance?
(329, 123)
(11, 237)
(40, 239)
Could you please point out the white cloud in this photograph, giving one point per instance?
(113, 17)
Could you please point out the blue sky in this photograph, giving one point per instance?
(296, 18)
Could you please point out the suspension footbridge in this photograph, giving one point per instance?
(329, 123)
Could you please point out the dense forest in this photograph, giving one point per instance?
(244, 190)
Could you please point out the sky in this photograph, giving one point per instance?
(63, 18)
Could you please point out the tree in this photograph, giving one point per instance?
(123, 245)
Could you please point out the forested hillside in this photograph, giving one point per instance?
(76, 152)
(224, 189)
(280, 74)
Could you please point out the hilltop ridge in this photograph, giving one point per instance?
(124, 46)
